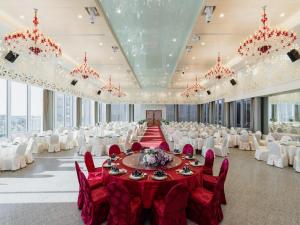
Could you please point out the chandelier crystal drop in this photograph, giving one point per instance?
(267, 40)
(85, 71)
(32, 42)
(119, 93)
(197, 87)
(193, 89)
(109, 87)
(219, 71)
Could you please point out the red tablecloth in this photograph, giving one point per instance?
(148, 189)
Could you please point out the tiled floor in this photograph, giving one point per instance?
(45, 192)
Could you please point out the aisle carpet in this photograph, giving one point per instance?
(152, 137)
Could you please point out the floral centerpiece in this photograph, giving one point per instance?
(156, 157)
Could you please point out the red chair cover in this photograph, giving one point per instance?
(188, 149)
(90, 166)
(210, 182)
(209, 162)
(136, 147)
(95, 207)
(171, 209)
(124, 210)
(204, 207)
(165, 146)
(114, 149)
(93, 183)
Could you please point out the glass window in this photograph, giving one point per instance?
(87, 112)
(68, 111)
(3, 108)
(187, 113)
(238, 113)
(18, 118)
(59, 110)
(246, 113)
(119, 112)
(170, 112)
(36, 109)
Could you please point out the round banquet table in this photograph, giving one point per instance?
(147, 188)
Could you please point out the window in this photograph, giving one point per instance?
(3, 108)
(170, 112)
(18, 117)
(102, 112)
(64, 110)
(187, 112)
(36, 109)
(119, 112)
(246, 113)
(238, 114)
(87, 112)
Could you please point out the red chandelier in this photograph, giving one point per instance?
(85, 71)
(267, 40)
(219, 71)
(196, 87)
(109, 87)
(193, 89)
(119, 93)
(32, 42)
(187, 92)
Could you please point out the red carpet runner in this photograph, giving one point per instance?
(152, 137)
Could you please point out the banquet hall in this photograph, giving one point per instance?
(161, 112)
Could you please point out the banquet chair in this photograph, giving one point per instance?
(286, 139)
(204, 207)
(124, 209)
(209, 162)
(261, 152)
(98, 146)
(54, 143)
(170, 210)
(244, 143)
(67, 143)
(83, 147)
(90, 166)
(297, 160)
(210, 182)
(165, 146)
(93, 183)
(188, 149)
(222, 149)
(14, 160)
(276, 157)
(95, 204)
(208, 144)
(31, 146)
(136, 147)
(114, 149)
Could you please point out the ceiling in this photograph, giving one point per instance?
(151, 63)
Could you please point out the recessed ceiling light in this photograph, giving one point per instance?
(170, 55)
(202, 43)
(133, 55)
(79, 16)
(111, 58)
(129, 40)
(168, 65)
(282, 14)
(22, 17)
(100, 43)
(221, 15)
(174, 40)
(119, 10)
(193, 58)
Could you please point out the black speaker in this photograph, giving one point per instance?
(99, 92)
(11, 56)
(233, 82)
(74, 82)
(293, 55)
(208, 92)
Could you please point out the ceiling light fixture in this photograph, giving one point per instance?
(22, 17)
(174, 40)
(79, 16)
(221, 15)
(219, 71)
(202, 43)
(267, 40)
(119, 10)
(84, 70)
(282, 14)
(33, 42)
(101, 44)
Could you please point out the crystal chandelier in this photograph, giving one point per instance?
(85, 71)
(187, 92)
(219, 71)
(119, 93)
(193, 89)
(267, 40)
(197, 87)
(109, 87)
(32, 42)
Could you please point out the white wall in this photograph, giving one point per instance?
(140, 110)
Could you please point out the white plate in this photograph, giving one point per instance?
(105, 165)
(186, 157)
(186, 174)
(121, 171)
(115, 159)
(193, 164)
(136, 178)
(159, 178)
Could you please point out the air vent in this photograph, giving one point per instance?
(92, 11)
(195, 37)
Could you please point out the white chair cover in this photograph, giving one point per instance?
(276, 157)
